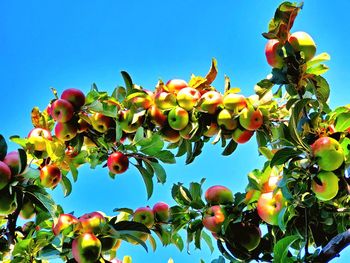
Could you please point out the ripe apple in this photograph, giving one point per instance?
(178, 118)
(144, 215)
(141, 99)
(241, 135)
(170, 135)
(161, 212)
(211, 129)
(117, 163)
(218, 194)
(187, 98)
(92, 222)
(165, 100)
(28, 209)
(38, 137)
(66, 131)
(157, 116)
(213, 218)
(272, 51)
(64, 221)
(251, 119)
(328, 152)
(8, 202)
(175, 85)
(101, 123)
(270, 205)
(62, 110)
(13, 161)
(126, 119)
(244, 234)
(235, 102)
(5, 174)
(210, 101)
(226, 120)
(50, 176)
(329, 188)
(75, 96)
(86, 248)
(303, 42)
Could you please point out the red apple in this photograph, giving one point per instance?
(273, 49)
(86, 248)
(175, 85)
(66, 131)
(304, 43)
(5, 175)
(170, 135)
(165, 100)
(270, 205)
(63, 222)
(241, 135)
(187, 98)
(50, 176)
(75, 96)
(329, 187)
(178, 118)
(141, 99)
(161, 212)
(226, 120)
(235, 102)
(117, 163)
(92, 222)
(13, 161)
(62, 110)
(211, 129)
(218, 194)
(38, 137)
(127, 121)
(101, 123)
(328, 152)
(144, 215)
(156, 116)
(209, 102)
(213, 218)
(251, 119)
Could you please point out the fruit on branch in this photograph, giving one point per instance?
(303, 42)
(117, 163)
(210, 101)
(75, 96)
(187, 98)
(178, 118)
(226, 120)
(175, 85)
(144, 215)
(62, 110)
(5, 175)
(156, 116)
(170, 135)
(274, 53)
(129, 122)
(213, 218)
(50, 176)
(328, 188)
(328, 152)
(101, 123)
(66, 131)
(28, 209)
(8, 202)
(241, 135)
(161, 212)
(251, 119)
(63, 222)
(245, 235)
(13, 161)
(92, 222)
(218, 194)
(82, 125)
(186, 132)
(271, 183)
(141, 99)
(86, 248)
(270, 205)
(235, 102)
(165, 100)
(38, 137)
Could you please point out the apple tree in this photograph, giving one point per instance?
(294, 209)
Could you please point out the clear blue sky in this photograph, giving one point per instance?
(66, 44)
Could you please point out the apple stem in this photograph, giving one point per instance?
(12, 220)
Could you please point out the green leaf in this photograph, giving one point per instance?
(342, 122)
(92, 96)
(126, 210)
(3, 147)
(165, 156)
(130, 226)
(263, 87)
(66, 186)
(318, 59)
(151, 145)
(197, 150)
(43, 198)
(74, 171)
(153, 242)
(318, 69)
(159, 171)
(197, 238)
(23, 247)
(147, 178)
(230, 148)
(208, 241)
(182, 148)
(280, 250)
(181, 195)
(283, 155)
(266, 152)
(128, 82)
(119, 93)
(23, 160)
(322, 89)
(177, 240)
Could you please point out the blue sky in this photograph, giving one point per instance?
(66, 44)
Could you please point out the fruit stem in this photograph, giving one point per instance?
(12, 220)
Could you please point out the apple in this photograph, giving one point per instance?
(213, 218)
(270, 205)
(170, 135)
(246, 235)
(178, 118)
(235, 102)
(75, 96)
(161, 212)
(251, 119)
(82, 125)
(241, 135)
(165, 100)
(92, 222)
(273, 49)
(86, 248)
(141, 99)
(211, 129)
(304, 43)
(218, 194)
(12, 159)
(328, 152)
(226, 120)
(157, 116)
(8, 202)
(127, 122)
(186, 132)
(63, 222)
(5, 175)
(66, 131)
(101, 123)
(210, 101)
(50, 176)
(38, 137)
(187, 98)
(117, 163)
(271, 183)
(329, 187)
(175, 85)
(62, 110)
(28, 209)
(144, 215)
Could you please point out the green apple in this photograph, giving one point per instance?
(273, 50)
(165, 100)
(28, 209)
(328, 152)
(63, 222)
(187, 98)
(240, 135)
(329, 187)
(178, 118)
(235, 102)
(92, 222)
(218, 194)
(170, 135)
(128, 122)
(161, 212)
(157, 116)
(5, 175)
(251, 119)
(62, 110)
(8, 202)
(117, 163)
(226, 120)
(246, 235)
(175, 85)
(75, 96)
(213, 218)
(50, 176)
(38, 137)
(86, 248)
(144, 215)
(270, 205)
(303, 42)
(101, 123)
(66, 131)
(209, 102)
